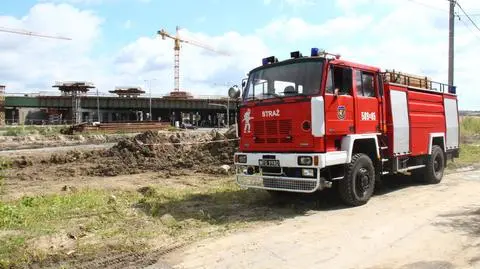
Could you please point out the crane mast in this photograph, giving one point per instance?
(177, 41)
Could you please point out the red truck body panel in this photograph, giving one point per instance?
(426, 115)
(277, 127)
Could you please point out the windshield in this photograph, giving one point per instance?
(299, 78)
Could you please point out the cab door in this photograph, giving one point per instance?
(366, 102)
(339, 105)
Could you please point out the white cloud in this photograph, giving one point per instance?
(34, 63)
(296, 29)
(405, 36)
(200, 69)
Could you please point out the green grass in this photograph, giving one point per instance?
(4, 165)
(470, 129)
(470, 125)
(469, 155)
(30, 218)
(131, 221)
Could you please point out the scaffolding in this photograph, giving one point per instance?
(2, 105)
(128, 92)
(75, 89)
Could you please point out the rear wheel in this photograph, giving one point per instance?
(357, 187)
(435, 166)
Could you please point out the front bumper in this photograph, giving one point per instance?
(289, 176)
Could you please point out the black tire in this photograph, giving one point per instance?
(435, 166)
(357, 187)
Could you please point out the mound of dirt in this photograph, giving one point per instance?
(55, 140)
(155, 151)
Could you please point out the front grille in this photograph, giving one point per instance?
(273, 131)
(288, 184)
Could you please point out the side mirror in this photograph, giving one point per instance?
(234, 92)
(244, 83)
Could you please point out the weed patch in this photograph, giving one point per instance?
(47, 222)
(470, 129)
(469, 154)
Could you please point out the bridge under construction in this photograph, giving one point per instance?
(74, 105)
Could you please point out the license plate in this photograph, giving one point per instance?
(269, 163)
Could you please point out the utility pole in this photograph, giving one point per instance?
(451, 32)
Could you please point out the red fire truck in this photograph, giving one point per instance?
(313, 122)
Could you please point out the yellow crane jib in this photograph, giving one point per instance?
(177, 40)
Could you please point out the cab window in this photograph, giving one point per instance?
(339, 78)
(365, 83)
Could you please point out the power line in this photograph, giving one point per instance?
(470, 19)
(466, 26)
(429, 6)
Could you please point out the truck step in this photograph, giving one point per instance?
(383, 147)
(411, 168)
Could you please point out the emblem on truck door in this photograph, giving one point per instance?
(341, 112)
(246, 119)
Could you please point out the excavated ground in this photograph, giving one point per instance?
(146, 152)
(35, 141)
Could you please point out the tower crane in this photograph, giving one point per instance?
(24, 32)
(177, 40)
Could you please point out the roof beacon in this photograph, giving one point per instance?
(269, 60)
(295, 55)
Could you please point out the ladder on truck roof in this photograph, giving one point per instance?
(416, 82)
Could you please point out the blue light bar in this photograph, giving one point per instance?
(314, 52)
(264, 61)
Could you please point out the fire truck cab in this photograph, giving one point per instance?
(308, 123)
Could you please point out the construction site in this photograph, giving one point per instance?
(121, 178)
(81, 103)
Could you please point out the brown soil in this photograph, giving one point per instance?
(41, 141)
(147, 152)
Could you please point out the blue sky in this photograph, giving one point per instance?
(114, 41)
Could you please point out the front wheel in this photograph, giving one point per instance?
(357, 187)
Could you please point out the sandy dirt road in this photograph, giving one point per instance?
(407, 227)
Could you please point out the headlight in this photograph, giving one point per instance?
(241, 158)
(304, 160)
(307, 173)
